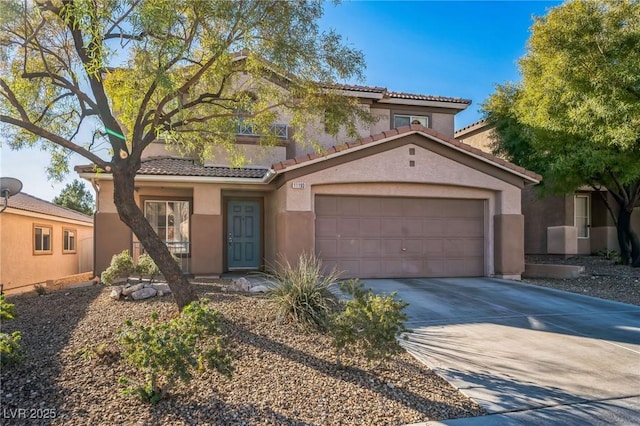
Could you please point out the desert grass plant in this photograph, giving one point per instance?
(173, 350)
(301, 293)
(370, 324)
(11, 351)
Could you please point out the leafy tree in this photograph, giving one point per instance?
(575, 117)
(76, 197)
(132, 71)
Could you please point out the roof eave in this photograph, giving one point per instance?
(460, 106)
(186, 179)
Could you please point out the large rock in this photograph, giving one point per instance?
(128, 290)
(164, 288)
(241, 284)
(116, 292)
(144, 293)
(259, 289)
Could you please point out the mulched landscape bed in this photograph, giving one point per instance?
(281, 376)
(602, 278)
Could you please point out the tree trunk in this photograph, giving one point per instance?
(627, 238)
(132, 216)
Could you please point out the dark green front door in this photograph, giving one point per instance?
(243, 234)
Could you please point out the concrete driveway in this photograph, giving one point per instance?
(527, 354)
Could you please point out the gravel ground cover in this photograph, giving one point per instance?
(281, 377)
(602, 278)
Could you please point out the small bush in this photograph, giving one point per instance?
(121, 267)
(146, 266)
(301, 293)
(7, 310)
(609, 255)
(11, 352)
(369, 324)
(170, 351)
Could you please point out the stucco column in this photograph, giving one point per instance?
(294, 235)
(509, 245)
(111, 236)
(206, 231)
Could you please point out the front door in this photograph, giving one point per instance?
(243, 234)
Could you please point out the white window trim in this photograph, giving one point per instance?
(42, 251)
(411, 118)
(588, 214)
(65, 237)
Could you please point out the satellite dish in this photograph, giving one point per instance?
(9, 186)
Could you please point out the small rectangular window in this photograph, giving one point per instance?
(42, 239)
(582, 215)
(400, 120)
(68, 240)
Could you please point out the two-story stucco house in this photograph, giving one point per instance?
(404, 200)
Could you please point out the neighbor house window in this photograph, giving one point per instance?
(400, 120)
(170, 220)
(582, 219)
(42, 239)
(68, 240)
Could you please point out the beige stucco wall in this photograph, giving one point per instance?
(19, 266)
(481, 140)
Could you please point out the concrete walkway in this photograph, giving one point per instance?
(526, 354)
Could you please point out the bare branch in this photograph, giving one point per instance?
(57, 139)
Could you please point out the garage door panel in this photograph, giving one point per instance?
(327, 248)
(369, 237)
(371, 247)
(391, 227)
(349, 247)
(370, 226)
(348, 227)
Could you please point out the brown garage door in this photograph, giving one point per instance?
(378, 237)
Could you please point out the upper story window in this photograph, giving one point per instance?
(42, 239)
(68, 240)
(400, 120)
(170, 220)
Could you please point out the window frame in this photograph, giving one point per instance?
(64, 240)
(34, 236)
(160, 199)
(587, 216)
(411, 116)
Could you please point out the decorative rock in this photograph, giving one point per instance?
(259, 289)
(116, 292)
(164, 288)
(241, 284)
(144, 293)
(159, 293)
(128, 290)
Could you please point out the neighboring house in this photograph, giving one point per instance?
(41, 241)
(577, 223)
(406, 200)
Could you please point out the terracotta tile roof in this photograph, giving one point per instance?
(396, 95)
(414, 128)
(475, 124)
(33, 204)
(172, 166)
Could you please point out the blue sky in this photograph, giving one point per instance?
(447, 48)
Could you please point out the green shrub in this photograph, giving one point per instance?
(170, 351)
(301, 293)
(121, 267)
(369, 324)
(609, 254)
(11, 351)
(146, 266)
(7, 310)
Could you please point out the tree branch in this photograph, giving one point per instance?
(57, 139)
